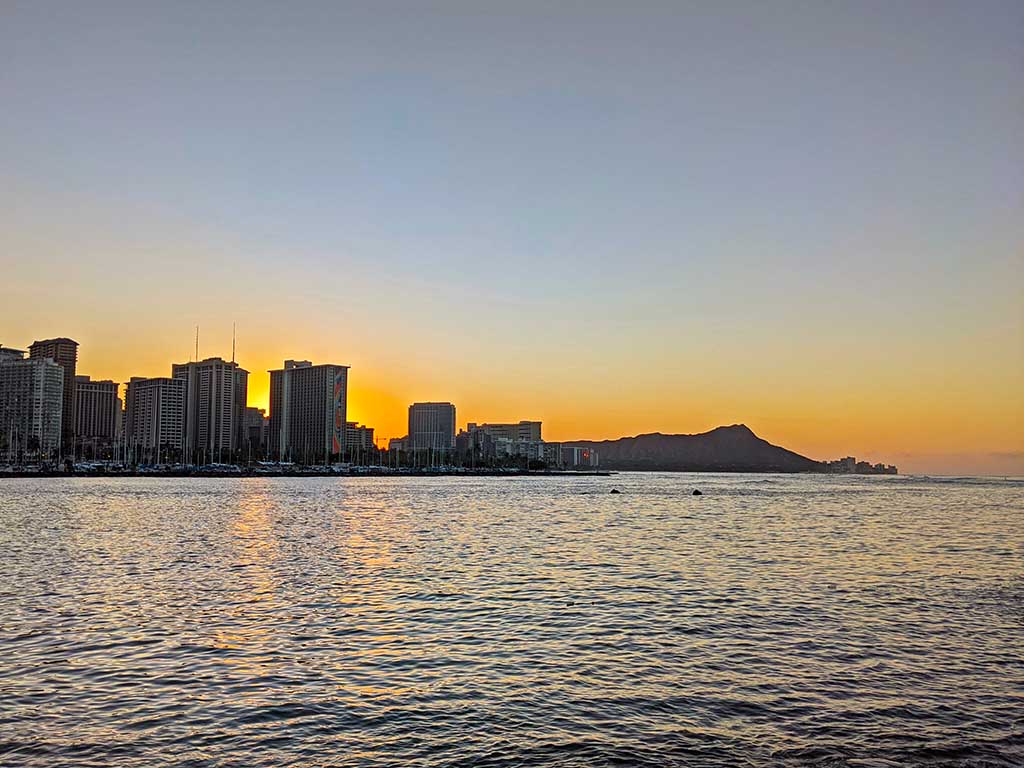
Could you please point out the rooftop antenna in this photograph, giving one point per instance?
(197, 343)
(232, 343)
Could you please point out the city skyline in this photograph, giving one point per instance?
(616, 221)
(326, 392)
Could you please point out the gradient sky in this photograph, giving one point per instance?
(615, 217)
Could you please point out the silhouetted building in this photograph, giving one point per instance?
(500, 443)
(215, 401)
(10, 354)
(850, 466)
(154, 418)
(308, 406)
(841, 466)
(97, 407)
(553, 455)
(526, 431)
(358, 438)
(31, 405)
(64, 352)
(475, 444)
(432, 425)
(256, 429)
(578, 457)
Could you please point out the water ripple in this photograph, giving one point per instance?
(774, 621)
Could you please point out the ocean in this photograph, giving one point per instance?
(776, 620)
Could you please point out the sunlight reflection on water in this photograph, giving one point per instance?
(798, 620)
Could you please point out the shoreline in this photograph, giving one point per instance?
(313, 473)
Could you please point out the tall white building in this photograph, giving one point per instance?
(31, 405)
(154, 418)
(432, 425)
(215, 400)
(64, 352)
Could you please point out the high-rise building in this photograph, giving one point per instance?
(64, 352)
(215, 401)
(432, 425)
(154, 417)
(308, 406)
(10, 354)
(96, 409)
(31, 405)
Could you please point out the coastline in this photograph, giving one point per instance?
(243, 473)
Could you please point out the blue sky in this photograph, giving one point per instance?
(744, 184)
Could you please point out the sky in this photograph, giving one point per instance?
(617, 218)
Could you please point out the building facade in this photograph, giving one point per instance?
(501, 443)
(97, 407)
(256, 428)
(432, 425)
(64, 352)
(308, 409)
(358, 438)
(31, 406)
(577, 457)
(523, 431)
(215, 401)
(154, 418)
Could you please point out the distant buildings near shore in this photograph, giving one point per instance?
(850, 466)
(199, 414)
(432, 431)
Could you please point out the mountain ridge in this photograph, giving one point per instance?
(731, 448)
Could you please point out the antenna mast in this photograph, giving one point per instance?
(232, 343)
(197, 343)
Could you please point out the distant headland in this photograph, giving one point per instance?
(734, 448)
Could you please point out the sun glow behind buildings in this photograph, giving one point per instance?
(554, 226)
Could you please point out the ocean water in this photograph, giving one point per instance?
(775, 620)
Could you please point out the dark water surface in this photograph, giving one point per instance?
(791, 621)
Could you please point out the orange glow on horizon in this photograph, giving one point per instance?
(824, 402)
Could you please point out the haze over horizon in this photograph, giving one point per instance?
(802, 218)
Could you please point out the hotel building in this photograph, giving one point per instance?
(154, 418)
(97, 408)
(432, 425)
(215, 401)
(308, 409)
(64, 352)
(31, 405)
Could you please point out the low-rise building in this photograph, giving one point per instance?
(527, 431)
(358, 437)
(579, 457)
(256, 430)
(500, 443)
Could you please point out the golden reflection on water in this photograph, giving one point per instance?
(251, 571)
(288, 618)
